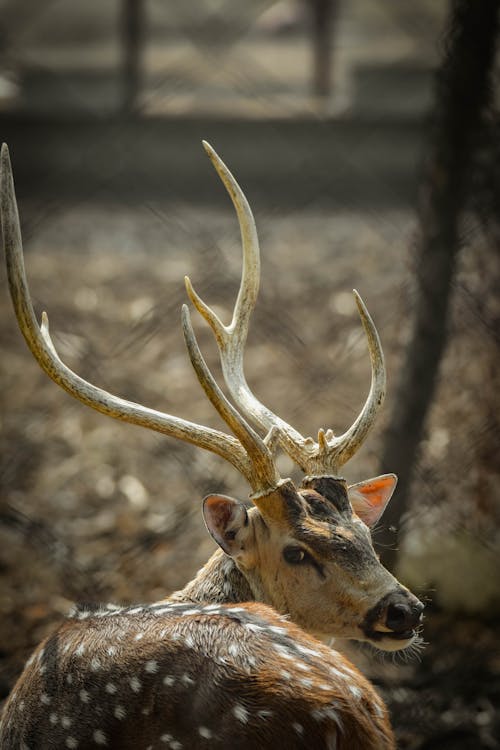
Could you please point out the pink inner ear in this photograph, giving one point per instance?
(224, 517)
(377, 491)
(369, 499)
(220, 510)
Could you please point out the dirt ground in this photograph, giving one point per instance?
(97, 510)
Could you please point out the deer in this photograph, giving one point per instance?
(240, 657)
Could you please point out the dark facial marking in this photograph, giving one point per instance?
(318, 507)
(333, 489)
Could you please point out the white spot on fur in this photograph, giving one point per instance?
(306, 682)
(205, 732)
(193, 612)
(69, 679)
(80, 650)
(350, 671)
(95, 664)
(277, 630)
(241, 713)
(285, 653)
(139, 636)
(71, 742)
(111, 650)
(111, 688)
(135, 610)
(119, 712)
(135, 684)
(173, 744)
(337, 673)
(297, 727)
(308, 651)
(66, 722)
(99, 737)
(45, 699)
(151, 666)
(187, 680)
(233, 649)
(264, 714)
(253, 627)
(354, 690)
(326, 713)
(84, 696)
(168, 680)
(302, 666)
(53, 718)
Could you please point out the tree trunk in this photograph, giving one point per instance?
(462, 93)
(133, 38)
(323, 18)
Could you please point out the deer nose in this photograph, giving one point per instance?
(394, 618)
(404, 615)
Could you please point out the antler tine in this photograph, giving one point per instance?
(333, 452)
(42, 348)
(250, 277)
(231, 339)
(265, 476)
(329, 453)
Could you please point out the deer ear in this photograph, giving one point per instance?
(227, 522)
(369, 498)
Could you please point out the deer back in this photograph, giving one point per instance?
(181, 675)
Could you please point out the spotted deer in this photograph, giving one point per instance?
(237, 658)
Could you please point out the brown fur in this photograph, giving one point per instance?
(220, 679)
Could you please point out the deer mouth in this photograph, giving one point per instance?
(393, 622)
(384, 634)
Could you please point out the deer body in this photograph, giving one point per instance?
(179, 675)
(232, 660)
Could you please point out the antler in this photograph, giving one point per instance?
(248, 454)
(329, 453)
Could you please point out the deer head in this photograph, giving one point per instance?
(306, 551)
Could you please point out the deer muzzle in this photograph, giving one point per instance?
(394, 619)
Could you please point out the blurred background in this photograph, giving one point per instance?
(365, 135)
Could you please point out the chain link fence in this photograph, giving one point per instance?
(104, 106)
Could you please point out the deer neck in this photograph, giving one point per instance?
(219, 581)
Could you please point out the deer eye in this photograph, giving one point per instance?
(295, 555)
